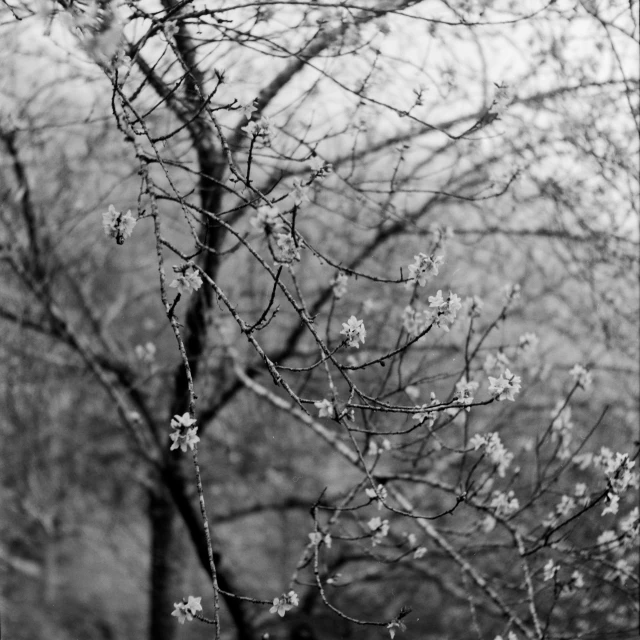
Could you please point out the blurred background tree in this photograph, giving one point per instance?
(503, 138)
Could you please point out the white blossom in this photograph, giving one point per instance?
(300, 193)
(339, 284)
(354, 332)
(284, 603)
(379, 494)
(505, 387)
(187, 610)
(549, 570)
(325, 408)
(186, 282)
(446, 309)
(118, 225)
(581, 376)
(416, 321)
(424, 267)
(287, 250)
(464, 391)
(267, 219)
(504, 504)
(316, 538)
(184, 434)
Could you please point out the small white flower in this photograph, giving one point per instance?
(396, 624)
(320, 168)
(325, 408)
(504, 504)
(284, 603)
(412, 391)
(528, 342)
(614, 504)
(262, 129)
(187, 282)
(608, 539)
(512, 292)
(170, 29)
(187, 610)
(446, 309)
(501, 100)
(118, 225)
(464, 391)
(379, 494)
(316, 538)
(416, 321)
(267, 219)
(566, 505)
(287, 249)
(424, 267)
(247, 109)
(505, 387)
(496, 451)
(577, 579)
(380, 529)
(339, 284)
(549, 570)
(184, 434)
(581, 376)
(146, 353)
(354, 332)
(488, 524)
(300, 194)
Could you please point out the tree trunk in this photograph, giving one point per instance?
(166, 565)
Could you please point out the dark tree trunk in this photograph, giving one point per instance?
(166, 566)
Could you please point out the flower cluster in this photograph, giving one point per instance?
(376, 448)
(320, 168)
(464, 391)
(617, 469)
(504, 504)
(494, 448)
(416, 321)
(505, 387)
(424, 267)
(267, 219)
(284, 603)
(528, 342)
(187, 281)
(581, 376)
(395, 625)
(317, 538)
(380, 529)
(354, 332)
(187, 610)
(446, 310)
(146, 353)
(184, 434)
(118, 225)
(262, 129)
(498, 362)
(287, 249)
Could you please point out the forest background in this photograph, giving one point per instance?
(325, 313)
